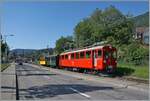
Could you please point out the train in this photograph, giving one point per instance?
(42, 60)
(96, 58)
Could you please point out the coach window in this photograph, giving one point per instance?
(88, 54)
(99, 53)
(62, 56)
(66, 56)
(77, 55)
(81, 54)
(72, 56)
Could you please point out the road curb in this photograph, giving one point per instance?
(139, 80)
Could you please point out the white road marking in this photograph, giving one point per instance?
(83, 94)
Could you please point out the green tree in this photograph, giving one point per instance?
(83, 33)
(64, 43)
(137, 54)
(109, 24)
(4, 48)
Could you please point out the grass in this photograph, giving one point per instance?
(133, 70)
(4, 66)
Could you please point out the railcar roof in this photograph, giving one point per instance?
(92, 48)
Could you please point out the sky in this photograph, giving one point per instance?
(36, 25)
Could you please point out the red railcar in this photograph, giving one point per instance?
(99, 58)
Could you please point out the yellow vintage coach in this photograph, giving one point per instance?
(42, 61)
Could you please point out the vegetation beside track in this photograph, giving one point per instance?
(4, 66)
(138, 71)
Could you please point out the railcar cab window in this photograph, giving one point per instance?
(66, 56)
(88, 54)
(77, 55)
(72, 56)
(107, 54)
(81, 54)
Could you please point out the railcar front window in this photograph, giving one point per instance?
(107, 54)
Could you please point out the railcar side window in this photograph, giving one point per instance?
(88, 54)
(77, 55)
(66, 56)
(72, 56)
(62, 56)
(99, 53)
(81, 54)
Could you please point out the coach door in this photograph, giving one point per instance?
(94, 58)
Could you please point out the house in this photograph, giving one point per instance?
(142, 34)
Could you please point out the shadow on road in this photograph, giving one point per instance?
(123, 71)
(7, 87)
(119, 72)
(39, 74)
(59, 89)
(26, 70)
(36, 74)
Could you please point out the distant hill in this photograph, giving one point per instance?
(141, 20)
(30, 51)
(22, 51)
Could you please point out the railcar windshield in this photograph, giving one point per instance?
(109, 54)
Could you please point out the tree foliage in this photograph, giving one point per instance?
(4, 49)
(107, 25)
(137, 54)
(64, 43)
(110, 25)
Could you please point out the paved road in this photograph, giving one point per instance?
(37, 83)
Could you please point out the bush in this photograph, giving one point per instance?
(136, 54)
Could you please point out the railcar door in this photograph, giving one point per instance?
(94, 58)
